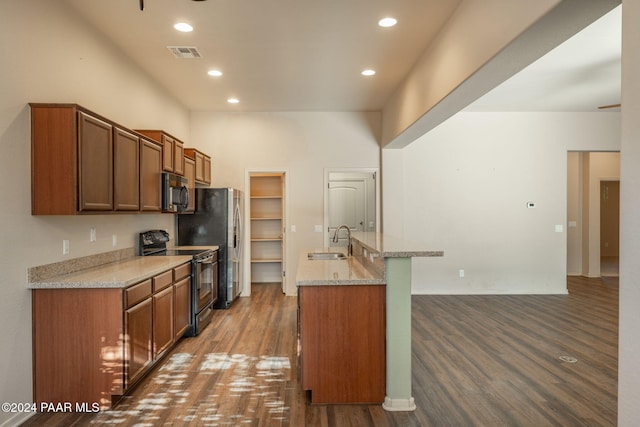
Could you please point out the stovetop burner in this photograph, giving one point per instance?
(154, 243)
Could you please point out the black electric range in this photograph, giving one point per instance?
(204, 275)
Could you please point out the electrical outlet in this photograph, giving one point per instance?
(114, 240)
(461, 273)
(92, 234)
(65, 247)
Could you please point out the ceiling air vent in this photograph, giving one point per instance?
(185, 52)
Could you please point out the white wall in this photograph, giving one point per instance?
(629, 338)
(467, 184)
(50, 55)
(301, 143)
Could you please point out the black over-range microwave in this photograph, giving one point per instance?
(175, 193)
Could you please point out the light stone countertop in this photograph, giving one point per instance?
(333, 272)
(118, 274)
(392, 247)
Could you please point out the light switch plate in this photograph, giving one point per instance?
(317, 228)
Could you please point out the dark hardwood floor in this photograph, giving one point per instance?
(477, 361)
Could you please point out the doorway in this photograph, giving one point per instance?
(267, 208)
(586, 173)
(609, 228)
(351, 198)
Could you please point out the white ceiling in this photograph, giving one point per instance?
(276, 55)
(581, 74)
(302, 55)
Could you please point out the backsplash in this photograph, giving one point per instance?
(370, 260)
(43, 272)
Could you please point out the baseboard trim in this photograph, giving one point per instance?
(397, 405)
(17, 419)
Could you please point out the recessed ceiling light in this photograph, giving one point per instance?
(368, 72)
(214, 73)
(183, 27)
(387, 22)
(233, 100)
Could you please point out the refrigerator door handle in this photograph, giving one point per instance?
(237, 231)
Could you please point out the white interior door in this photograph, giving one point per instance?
(350, 199)
(346, 206)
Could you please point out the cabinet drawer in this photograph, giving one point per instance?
(181, 271)
(162, 280)
(136, 293)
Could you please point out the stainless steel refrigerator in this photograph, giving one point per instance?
(218, 220)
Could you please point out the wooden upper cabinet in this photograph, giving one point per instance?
(178, 157)
(190, 174)
(167, 153)
(203, 165)
(71, 160)
(172, 150)
(95, 143)
(82, 162)
(150, 179)
(126, 171)
(207, 169)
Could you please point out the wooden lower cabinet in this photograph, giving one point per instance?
(138, 321)
(182, 304)
(92, 345)
(341, 332)
(77, 345)
(162, 321)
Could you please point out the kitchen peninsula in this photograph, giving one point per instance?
(354, 318)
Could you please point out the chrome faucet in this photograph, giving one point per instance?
(335, 238)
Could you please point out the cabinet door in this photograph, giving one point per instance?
(190, 174)
(95, 146)
(138, 351)
(150, 182)
(207, 169)
(199, 166)
(182, 306)
(345, 339)
(162, 321)
(178, 157)
(126, 167)
(167, 153)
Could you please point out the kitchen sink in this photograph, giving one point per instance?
(326, 255)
